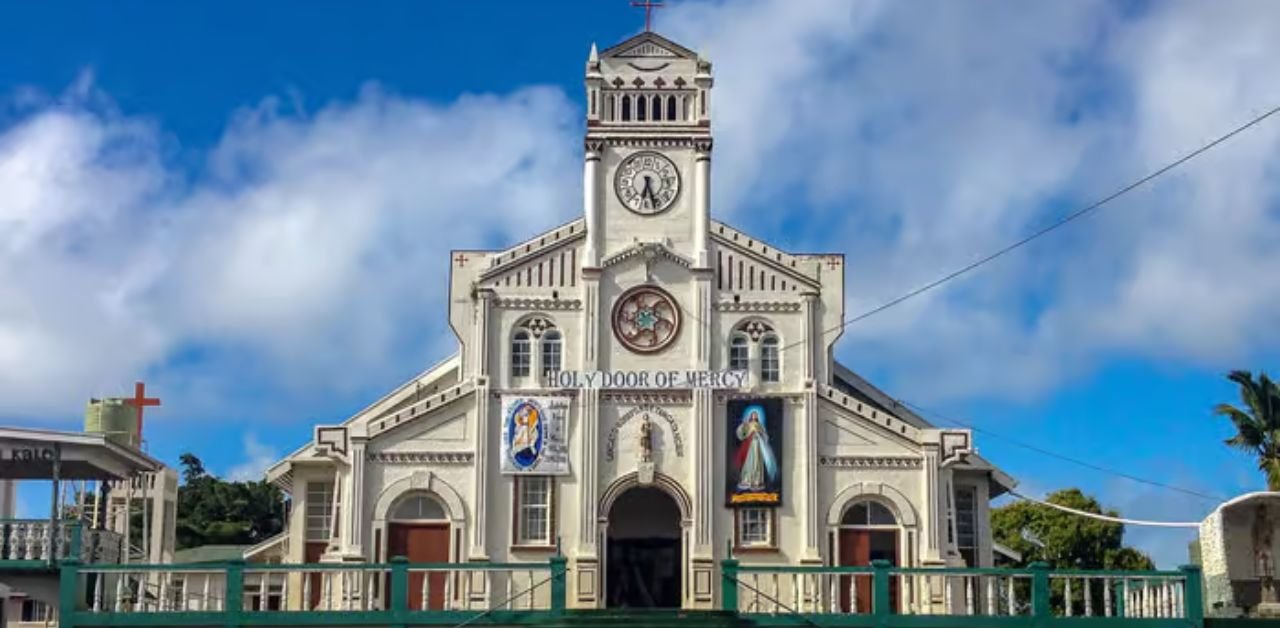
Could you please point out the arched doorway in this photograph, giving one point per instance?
(418, 529)
(644, 558)
(868, 531)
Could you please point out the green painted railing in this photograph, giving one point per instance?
(398, 593)
(884, 595)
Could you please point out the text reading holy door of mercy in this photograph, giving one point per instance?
(633, 380)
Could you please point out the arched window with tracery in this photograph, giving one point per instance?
(739, 353)
(521, 354)
(552, 352)
(770, 359)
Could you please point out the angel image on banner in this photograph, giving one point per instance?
(532, 436)
(754, 476)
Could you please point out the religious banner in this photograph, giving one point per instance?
(534, 440)
(753, 457)
(646, 380)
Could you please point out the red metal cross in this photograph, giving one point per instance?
(461, 259)
(649, 6)
(140, 401)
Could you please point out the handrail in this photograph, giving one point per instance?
(959, 571)
(513, 596)
(223, 565)
(776, 601)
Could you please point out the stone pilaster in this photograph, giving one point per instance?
(355, 515)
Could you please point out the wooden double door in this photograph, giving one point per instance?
(858, 547)
(422, 543)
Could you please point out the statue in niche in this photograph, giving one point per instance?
(645, 469)
(646, 440)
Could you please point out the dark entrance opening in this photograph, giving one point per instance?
(644, 559)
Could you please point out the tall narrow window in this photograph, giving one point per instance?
(657, 108)
(739, 356)
(641, 110)
(533, 509)
(552, 351)
(671, 107)
(967, 524)
(626, 108)
(608, 109)
(770, 361)
(520, 354)
(319, 510)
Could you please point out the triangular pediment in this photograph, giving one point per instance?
(649, 45)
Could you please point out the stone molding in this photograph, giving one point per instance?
(535, 303)
(421, 457)
(757, 306)
(871, 462)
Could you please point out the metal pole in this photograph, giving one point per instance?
(53, 507)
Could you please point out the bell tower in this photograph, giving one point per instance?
(648, 149)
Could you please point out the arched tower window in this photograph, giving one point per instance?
(641, 109)
(739, 353)
(608, 109)
(770, 359)
(657, 108)
(521, 354)
(552, 352)
(671, 107)
(626, 108)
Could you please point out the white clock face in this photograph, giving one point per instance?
(647, 183)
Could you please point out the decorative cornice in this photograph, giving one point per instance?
(535, 303)
(646, 249)
(421, 457)
(757, 306)
(870, 462)
(641, 397)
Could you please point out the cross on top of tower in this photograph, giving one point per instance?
(648, 6)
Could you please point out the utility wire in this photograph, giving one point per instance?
(1094, 515)
(1046, 452)
(1079, 213)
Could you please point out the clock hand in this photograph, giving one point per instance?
(647, 192)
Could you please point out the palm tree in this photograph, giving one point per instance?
(1258, 433)
(1258, 424)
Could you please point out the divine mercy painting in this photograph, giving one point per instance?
(753, 474)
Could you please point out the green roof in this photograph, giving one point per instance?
(210, 553)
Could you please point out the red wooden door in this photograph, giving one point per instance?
(857, 549)
(313, 551)
(422, 543)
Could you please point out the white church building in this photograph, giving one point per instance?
(645, 390)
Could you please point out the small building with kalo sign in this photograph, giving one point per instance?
(645, 390)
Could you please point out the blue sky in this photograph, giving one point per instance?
(250, 206)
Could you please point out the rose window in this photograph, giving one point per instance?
(645, 319)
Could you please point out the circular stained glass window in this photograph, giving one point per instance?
(645, 319)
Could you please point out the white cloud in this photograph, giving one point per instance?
(313, 243)
(257, 457)
(918, 136)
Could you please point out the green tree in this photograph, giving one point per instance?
(1065, 540)
(1257, 426)
(213, 511)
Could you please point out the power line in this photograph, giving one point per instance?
(1046, 452)
(1101, 517)
(1079, 213)
(1040, 450)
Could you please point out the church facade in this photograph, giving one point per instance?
(646, 391)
